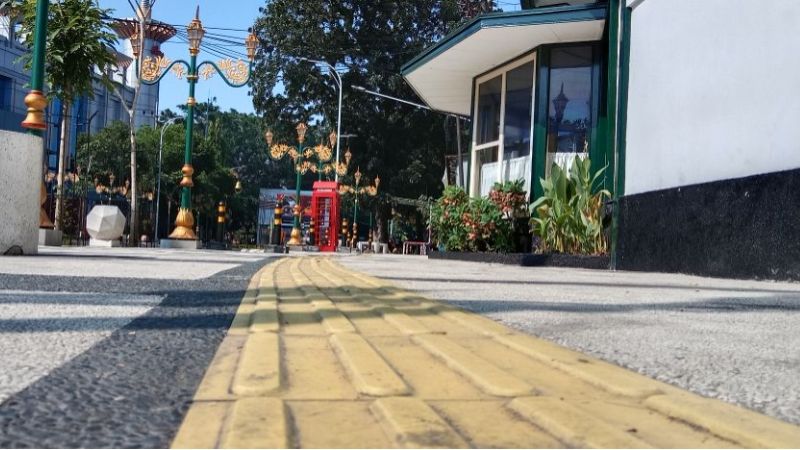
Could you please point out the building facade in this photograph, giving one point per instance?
(688, 105)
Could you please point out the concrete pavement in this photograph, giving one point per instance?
(150, 347)
(321, 356)
(735, 340)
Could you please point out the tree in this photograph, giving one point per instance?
(368, 41)
(144, 17)
(230, 148)
(78, 41)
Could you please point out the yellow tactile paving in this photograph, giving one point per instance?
(320, 356)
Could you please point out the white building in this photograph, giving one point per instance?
(692, 106)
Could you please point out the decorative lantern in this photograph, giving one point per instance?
(196, 32)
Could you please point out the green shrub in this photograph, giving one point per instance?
(568, 217)
(460, 223)
(447, 219)
(487, 230)
(510, 198)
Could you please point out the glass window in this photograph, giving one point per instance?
(517, 123)
(6, 93)
(489, 94)
(488, 169)
(570, 103)
(117, 110)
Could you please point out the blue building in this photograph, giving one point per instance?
(90, 114)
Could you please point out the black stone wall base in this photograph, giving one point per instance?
(527, 259)
(740, 228)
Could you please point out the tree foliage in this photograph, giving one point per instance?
(368, 41)
(227, 149)
(78, 41)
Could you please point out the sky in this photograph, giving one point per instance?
(233, 14)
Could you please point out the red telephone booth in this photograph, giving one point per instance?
(325, 212)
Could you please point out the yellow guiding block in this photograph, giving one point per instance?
(321, 356)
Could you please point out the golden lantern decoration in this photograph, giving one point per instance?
(251, 43)
(196, 32)
(301, 132)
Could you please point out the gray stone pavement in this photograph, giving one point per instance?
(734, 340)
(37, 336)
(105, 347)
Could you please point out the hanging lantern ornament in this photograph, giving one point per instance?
(268, 136)
(348, 156)
(301, 132)
(332, 139)
(251, 43)
(136, 45)
(238, 187)
(196, 32)
(358, 176)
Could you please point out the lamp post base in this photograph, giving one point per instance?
(295, 240)
(184, 226)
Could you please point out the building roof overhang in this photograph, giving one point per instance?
(442, 74)
(155, 30)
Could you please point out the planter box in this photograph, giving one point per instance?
(528, 259)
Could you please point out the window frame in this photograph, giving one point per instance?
(502, 71)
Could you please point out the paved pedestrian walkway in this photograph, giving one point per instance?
(321, 356)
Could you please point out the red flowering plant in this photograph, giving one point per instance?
(461, 223)
(486, 228)
(510, 197)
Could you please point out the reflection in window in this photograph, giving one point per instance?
(517, 124)
(570, 103)
(489, 110)
(6, 93)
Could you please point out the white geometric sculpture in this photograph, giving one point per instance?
(105, 223)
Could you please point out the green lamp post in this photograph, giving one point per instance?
(357, 190)
(35, 100)
(235, 74)
(303, 162)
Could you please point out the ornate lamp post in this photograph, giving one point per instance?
(357, 190)
(235, 74)
(35, 100)
(302, 160)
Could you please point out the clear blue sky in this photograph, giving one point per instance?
(234, 14)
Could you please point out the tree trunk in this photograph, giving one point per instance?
(133, 239)
(62, 161)
(382, 217)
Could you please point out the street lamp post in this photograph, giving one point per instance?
(301, 160)
(356, 190)
(234, 74)
(35, 100)
(338, 79)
